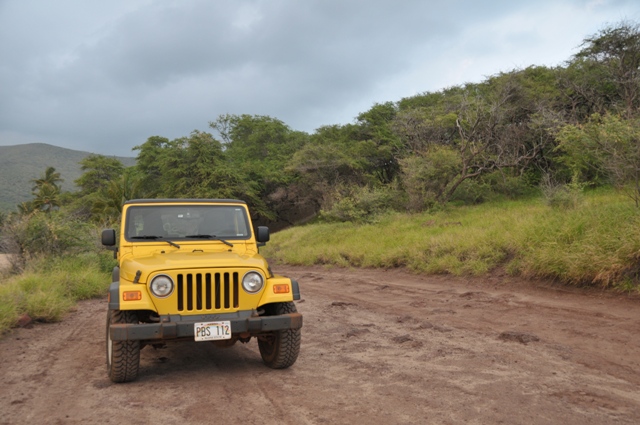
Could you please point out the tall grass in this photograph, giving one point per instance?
(50, 287)
(595, 242)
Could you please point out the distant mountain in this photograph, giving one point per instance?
(20, 164)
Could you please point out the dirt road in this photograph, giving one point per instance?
(378, 347)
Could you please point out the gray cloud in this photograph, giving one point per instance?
(105, 77)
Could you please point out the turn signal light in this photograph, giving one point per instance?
(281, 289)
(132, 296)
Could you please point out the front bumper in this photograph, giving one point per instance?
(177, 326)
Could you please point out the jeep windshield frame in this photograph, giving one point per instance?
(151, 222)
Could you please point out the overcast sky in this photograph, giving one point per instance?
(104, 76)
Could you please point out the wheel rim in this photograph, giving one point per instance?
(269, 345)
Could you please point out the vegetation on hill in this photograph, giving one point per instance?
(440, 182)
(595, 240)
(576, 124)
(21, 164)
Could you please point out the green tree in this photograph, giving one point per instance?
(427, 176)
(100, 175)
(149, 165)
(383, 146)
(259, 148)
(504, 123)
(606, 145)
(190, 167)
(46, 191)
(333, 157)
(586, 89)
(98, 171)
(47, 198)
(613, 56)
(107, 208)
(50, 177)
(196, 167)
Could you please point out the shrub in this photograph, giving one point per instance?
(558, 195)
(359, 204)
(472, 192)
(55, 233)
(512, 187)
(425, 177)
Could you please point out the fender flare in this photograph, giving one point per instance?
(114, 296)
(295, 288)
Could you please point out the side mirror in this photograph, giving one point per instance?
(109, 237)
(262, 235)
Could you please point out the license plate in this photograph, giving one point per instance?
(210, 331)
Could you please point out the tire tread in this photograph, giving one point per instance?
(125, 361)
(286, 348)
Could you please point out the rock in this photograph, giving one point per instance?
(24, 321)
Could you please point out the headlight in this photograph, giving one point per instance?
(252, 282)
(161, 286)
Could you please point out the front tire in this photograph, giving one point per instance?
(280, 349)
(123, 357)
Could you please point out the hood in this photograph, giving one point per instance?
(177, 260)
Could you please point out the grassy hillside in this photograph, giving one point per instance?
(596, 242)
(20, 164)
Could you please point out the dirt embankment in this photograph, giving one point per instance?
(378, 347)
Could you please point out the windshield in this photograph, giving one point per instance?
(175, 222)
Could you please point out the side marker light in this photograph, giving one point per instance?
(281, 289)
(132, 296)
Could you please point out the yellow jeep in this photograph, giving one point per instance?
(190, 269)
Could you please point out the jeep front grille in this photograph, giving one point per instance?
(207, 291)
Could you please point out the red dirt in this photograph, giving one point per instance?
(378, 347)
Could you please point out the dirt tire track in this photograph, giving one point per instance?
(383, 346)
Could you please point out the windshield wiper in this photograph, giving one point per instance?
(210, 237)
(155, 238)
